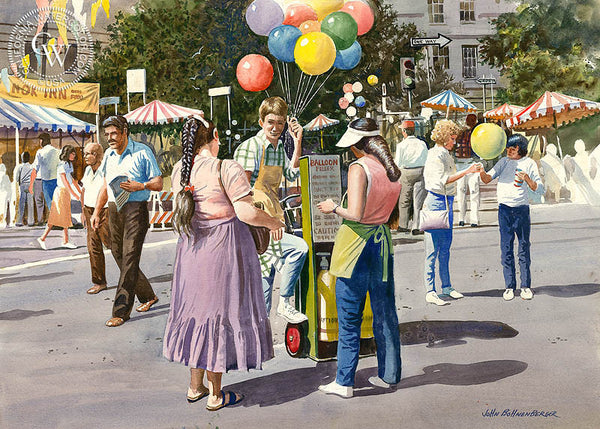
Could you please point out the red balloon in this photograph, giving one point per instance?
(254, 72)
(362, 14)
(297, 13)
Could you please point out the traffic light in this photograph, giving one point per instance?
(407, 73)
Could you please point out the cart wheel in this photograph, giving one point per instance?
(295, 340)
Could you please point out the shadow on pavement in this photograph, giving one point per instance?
(557, 291)
(464, 374)
(18, 314)
(163, 278)
(447, 333)
(8, 279)
(274, 389)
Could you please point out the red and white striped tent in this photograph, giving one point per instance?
(552, 109)
(320, 122)
(157, 112)
(503, 112)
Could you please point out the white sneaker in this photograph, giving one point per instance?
(526, 293)
(378, 382)
(508, 294)
(42, 243)
(433, 298)
(289, 313)
(453, 293)
(69, 245)
(335, 389)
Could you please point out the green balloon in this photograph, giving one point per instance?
(342, 28)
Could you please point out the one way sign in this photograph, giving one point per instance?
(440, 40)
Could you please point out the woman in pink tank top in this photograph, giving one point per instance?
(362, 258)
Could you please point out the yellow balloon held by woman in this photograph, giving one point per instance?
(314, 53)
(372, 80)
(488, 140)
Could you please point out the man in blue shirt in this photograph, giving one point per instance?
(128, 221)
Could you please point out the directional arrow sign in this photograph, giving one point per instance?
(440, 40)
(486, 81)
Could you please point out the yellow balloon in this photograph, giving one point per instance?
(488, 140)
(310, 27)
(314, 53)
(372, 80)
(325, 7)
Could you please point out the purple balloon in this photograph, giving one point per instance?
(264, 15)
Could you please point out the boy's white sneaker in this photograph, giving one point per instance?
(526, 293)
(335, 389)
(433, 298)
(508, 294)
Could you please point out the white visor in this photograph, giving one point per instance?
(353, 136)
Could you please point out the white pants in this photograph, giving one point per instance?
(472, 181)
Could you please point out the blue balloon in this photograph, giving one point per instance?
(282, 41)
(348, 58)
(360, 101)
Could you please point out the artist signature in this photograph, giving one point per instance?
(516, 412)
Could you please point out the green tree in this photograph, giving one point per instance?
(546, 45)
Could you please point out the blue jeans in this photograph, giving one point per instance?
(515, 221)
(294, 250)
(48, 187)
(437, 243)
(350, 295)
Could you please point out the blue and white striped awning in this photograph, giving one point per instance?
(449, 101)
(23, 115)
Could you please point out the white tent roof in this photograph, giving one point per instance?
(23, 115)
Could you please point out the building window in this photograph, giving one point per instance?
(436, 11)
(469, 61)
(440, 57)
(467, 11)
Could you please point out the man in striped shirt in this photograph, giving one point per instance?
(263, 157)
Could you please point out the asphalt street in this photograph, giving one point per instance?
(484, 362)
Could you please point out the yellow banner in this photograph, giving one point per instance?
(81, 97)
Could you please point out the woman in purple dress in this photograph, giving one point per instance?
(218, 319)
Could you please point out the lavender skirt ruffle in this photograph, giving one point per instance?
(218, 318)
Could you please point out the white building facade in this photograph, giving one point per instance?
(462, 21)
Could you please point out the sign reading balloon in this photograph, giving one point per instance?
(254, 73)
(488, 140)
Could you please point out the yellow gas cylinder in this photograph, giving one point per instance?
(328, 320)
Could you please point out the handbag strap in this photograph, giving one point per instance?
(221, 182)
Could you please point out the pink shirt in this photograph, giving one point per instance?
(210, 201)
(382, 194)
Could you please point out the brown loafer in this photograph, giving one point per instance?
(114, 322)
(146, 306)
(95, 289)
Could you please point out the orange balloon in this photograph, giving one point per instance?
(310, 27)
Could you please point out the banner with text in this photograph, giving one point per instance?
(80, 97)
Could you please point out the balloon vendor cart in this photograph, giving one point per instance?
(315, 297)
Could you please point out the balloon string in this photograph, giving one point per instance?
(307, 92)
(280, 77)
(298, 88)
(287, 83)
(303, 93)
(267, 92)
(315, 93)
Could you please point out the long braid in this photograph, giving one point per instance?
(184, 201)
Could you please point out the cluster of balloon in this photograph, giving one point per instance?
(350, 89)
(488, 140)
(316, 35)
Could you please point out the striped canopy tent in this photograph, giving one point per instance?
(157, 112)
(503, 112)
(552, 109)
(319, 123)
(449, 101)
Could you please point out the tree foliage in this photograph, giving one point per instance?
(546, 45)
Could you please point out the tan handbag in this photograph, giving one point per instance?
(260, 234)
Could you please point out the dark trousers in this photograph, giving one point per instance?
(128, 229)
(38, 197)
(95, 239)
(515, 221)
